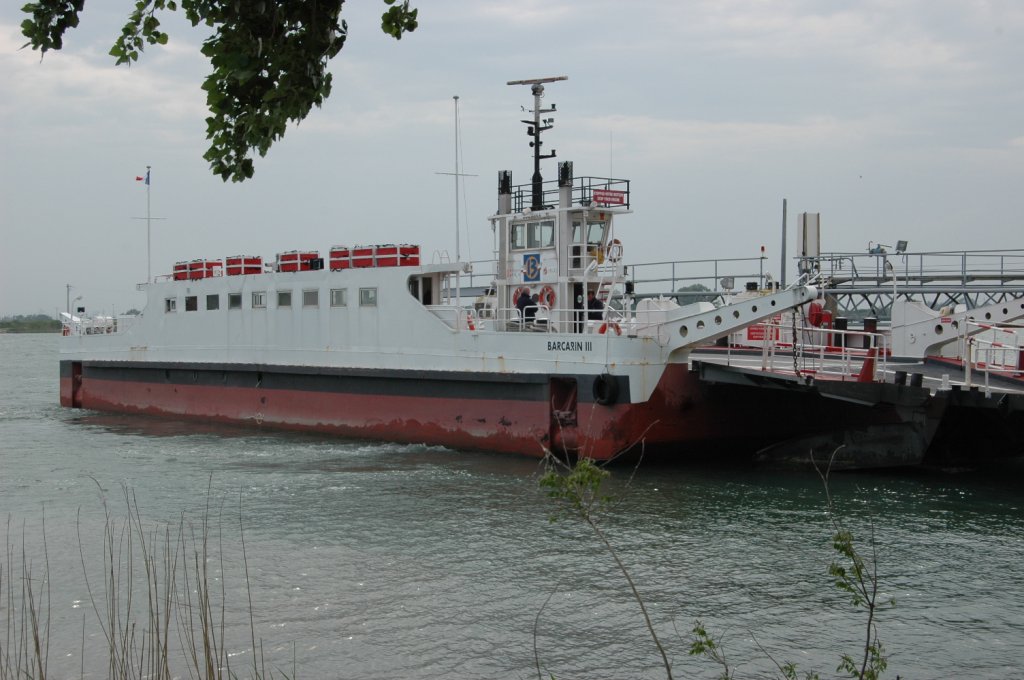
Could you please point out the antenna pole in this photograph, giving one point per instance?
(533, 129)
(458, 251)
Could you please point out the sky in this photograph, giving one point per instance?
(893, 120)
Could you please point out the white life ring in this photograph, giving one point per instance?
(614, 250)
(547, 297)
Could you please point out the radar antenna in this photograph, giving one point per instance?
(534, 128)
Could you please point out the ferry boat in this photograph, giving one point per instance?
(376, 342)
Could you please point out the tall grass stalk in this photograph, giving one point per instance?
(160, 603)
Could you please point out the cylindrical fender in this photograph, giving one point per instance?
(606, 389)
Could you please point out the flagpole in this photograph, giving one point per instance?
(149, 256)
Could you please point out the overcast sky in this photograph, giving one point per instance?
(894, 120)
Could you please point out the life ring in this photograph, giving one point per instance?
(614, 250)
(606, 389)
(522, 290)
(612, 325)
(547, 297)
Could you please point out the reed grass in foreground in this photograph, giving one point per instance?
(160, 602)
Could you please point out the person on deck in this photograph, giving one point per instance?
(530, 313)
(595, 308)
(522, 303)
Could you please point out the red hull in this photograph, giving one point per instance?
(685, 416)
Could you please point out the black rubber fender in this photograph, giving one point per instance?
(606, 389)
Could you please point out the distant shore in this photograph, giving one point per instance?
(29, 324)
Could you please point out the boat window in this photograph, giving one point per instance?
(595, 232)
(191, 303)
(284, 298)
(339, 298)
(212, 301)
(259, 299)
(367, 297)
(541, 234)
(170, 304)
(234, 300)
(577, 232)
(311, 298)
(517, 238)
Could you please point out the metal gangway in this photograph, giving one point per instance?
(858, 284)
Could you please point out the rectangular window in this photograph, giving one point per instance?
(339, 297)
(367, 297)
(170, 305)
(234, 300)
(284, 298)
(517, 237)
(541, 234)
(259, 299)
(311, 298)
(595, 233)
(191, 303)
(212, 302)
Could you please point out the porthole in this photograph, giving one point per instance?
(700, 325)
(754, 309)
(684, 331)
(718, 321)
(938, 329)
(735, 313)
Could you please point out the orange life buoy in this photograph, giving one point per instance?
(609, 324)
(614, 250)
(547, 297)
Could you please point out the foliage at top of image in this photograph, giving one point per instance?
(269, 61)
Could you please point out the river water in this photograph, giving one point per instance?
(370, 560)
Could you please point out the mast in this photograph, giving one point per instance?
(534, 128)
(458, 252)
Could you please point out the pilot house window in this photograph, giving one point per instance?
(532, 235)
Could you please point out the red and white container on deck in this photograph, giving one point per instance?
(340, 258)
(307, 260)
(386, 255)
(181, 271)
(296, 260)
(204, 269)
(238, 265)
(408, 255)
(362, 256)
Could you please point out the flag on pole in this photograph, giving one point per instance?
(143, 179)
